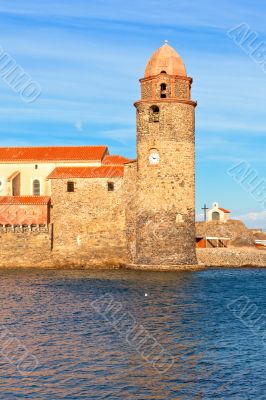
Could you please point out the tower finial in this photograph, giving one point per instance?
(166, 42)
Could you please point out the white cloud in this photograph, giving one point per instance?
(155, 12)
(79, 125)
(256, 219)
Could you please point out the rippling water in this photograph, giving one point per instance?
(82, 356)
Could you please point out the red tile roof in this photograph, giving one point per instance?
(46, 154)
(24, 200)
(116, 160)
(87, 172)
(22, 210)
(224, 210)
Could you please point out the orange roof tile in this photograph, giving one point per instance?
(224, 210)
(87, 172)
(24, 200)
(46, 154)
(116, 160)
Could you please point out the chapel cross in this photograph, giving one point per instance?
(205, 209)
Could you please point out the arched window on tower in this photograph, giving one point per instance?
(154, 114)
(163, 90)
(36, 187)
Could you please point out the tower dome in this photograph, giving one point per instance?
(165, 59)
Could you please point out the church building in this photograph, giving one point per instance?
(217, 213)
(81, 206)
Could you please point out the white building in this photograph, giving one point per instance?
(217, 213)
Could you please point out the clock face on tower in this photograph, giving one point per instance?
(154, 157)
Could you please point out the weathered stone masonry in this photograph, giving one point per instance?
(25, 248)
(165, 193)
(165, 216)
(89, 223)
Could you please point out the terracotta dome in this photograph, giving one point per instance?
(165, 59)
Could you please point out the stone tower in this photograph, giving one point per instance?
(165, 188)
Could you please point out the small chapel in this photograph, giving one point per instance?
(217, 213)
(82, 206)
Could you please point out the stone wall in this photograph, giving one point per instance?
(130, 193)
(230, 257)
(165, 192)
(146, 89)
(165, 220)
(176, 87)
(182, 88)
(89, 224)
(25, 249)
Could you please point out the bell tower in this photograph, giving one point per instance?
(165, 206)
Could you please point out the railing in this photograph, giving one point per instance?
(7, 228)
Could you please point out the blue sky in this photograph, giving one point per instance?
(88, 57)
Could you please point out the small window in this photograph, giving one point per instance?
(155, 109)
(70, 187)
(36, 187)
(163, 72)
(163, 90)
(111, 186)
(154, 114)
(36, 166)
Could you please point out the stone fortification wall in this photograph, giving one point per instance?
(25, 248)
(89, 223)
(232, 257)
